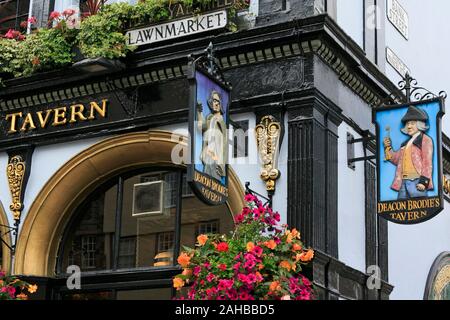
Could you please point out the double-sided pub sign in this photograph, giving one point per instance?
(409, 157)
(208, 131)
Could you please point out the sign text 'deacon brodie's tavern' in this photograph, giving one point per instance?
(178, 28)
(22, 122)
(409, 158)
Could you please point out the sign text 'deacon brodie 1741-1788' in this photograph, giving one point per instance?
(178, 28)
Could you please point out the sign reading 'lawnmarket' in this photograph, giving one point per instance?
(177, 28)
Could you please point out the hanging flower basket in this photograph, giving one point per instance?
(258, 261)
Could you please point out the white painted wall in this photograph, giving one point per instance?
(351, 204)
(412, 251)
(428, 48)
(351, 18)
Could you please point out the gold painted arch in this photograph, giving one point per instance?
(46, 220)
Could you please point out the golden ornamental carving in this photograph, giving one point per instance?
(442, 280)
(15, 173)
(268, 141)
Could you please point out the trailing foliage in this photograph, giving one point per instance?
(98, 35)
(12, 288)
(258, 261)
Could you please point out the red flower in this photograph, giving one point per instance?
(68, 12)
(32, 20)
(222, 247)
(10, 34)
(223, 267)
(249, 198)
(239, 219)
(54, 15)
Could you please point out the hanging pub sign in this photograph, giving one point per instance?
(208, 129)
(409, 157)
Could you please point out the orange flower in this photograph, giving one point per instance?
(202, 239)
(259, 275)
(260, 266)
(271, 244)
(187, 272)
(295, 233)
(296, 247)
(22, 296)
(285, 265)
(250, 246)
(307, 256)
(178, 283)
(275, 286)
(184, 260)
(32, 288)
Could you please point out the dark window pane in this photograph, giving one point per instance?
(148, 216)
(12, 12)
(198, 218)
(89, 241)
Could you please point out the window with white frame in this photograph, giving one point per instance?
(127, 253)
(89, 244)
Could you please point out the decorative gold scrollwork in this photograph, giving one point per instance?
(268, 141)
(15, 173)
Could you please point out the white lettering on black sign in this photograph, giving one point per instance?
(178, 28)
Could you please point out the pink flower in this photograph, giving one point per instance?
(237, 266)
(207, 265)
(239, 218)
(2, 274)
(222, 247)
(249, 264)
(306, 282)
(249, 198)
(196, 270)
(257, 250)
(277, 217)
(54, 15)
(246, 211)
(244, 296)
(32, 20)
(242, 278)
(225, 284)
(10, 34)
(210, 277)
(68, 12)
(251, 278)
(11, 291)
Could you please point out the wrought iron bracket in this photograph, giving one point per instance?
(253, 192)
(209, 63)
(412, 92)
(351, 141)
(15, 231)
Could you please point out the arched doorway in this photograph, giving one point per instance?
(52, 210)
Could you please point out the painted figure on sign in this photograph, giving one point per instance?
(414, 160)
(214, 132)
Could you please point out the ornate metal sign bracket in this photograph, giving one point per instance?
(210, 64)
(412, 92)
